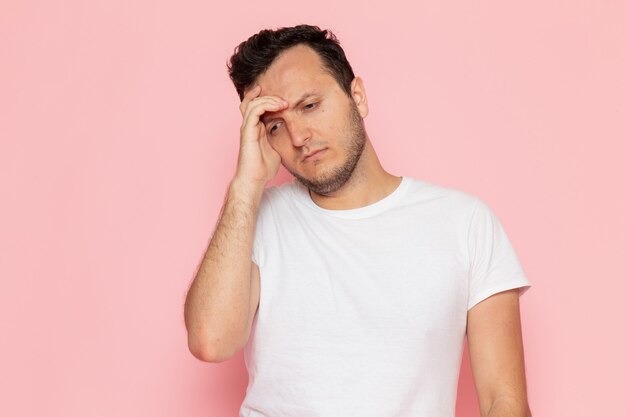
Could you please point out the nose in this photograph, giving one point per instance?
(299, 131)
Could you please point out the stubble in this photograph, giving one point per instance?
(337, 177)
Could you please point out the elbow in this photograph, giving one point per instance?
(509, 407)
(209, 351)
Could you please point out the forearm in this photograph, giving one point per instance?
(509, 407)
(217, 304)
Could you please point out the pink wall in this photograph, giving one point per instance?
(119, 134)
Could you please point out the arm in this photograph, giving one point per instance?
(496, 352)
(220, 303)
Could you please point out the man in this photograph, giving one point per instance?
(350, 288)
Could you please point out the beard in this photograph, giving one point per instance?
(338, 176)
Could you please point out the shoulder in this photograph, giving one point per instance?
(281, 191)
(279, 196)
(448, 199)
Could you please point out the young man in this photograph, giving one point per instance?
(350, 288)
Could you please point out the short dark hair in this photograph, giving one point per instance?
(254, 56)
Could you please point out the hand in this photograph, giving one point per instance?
(258, 161)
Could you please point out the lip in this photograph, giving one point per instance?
(314, 155)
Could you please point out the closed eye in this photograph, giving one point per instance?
(309, 106)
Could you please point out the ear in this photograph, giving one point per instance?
(358, 95)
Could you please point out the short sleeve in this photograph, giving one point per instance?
(494, 265)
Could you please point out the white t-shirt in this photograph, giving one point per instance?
(363, 312)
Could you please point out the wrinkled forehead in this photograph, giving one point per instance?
(294, 71)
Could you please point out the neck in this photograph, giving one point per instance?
(368, 184)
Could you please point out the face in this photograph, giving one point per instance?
(320, 117)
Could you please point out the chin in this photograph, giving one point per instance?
(323, 184)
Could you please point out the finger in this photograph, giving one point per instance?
(252, 125)
(260, 105)
(250, 95)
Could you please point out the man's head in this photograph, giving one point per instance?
(254, 56)
(326, 103)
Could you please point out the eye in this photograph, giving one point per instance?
(309, 106)
(274, 127)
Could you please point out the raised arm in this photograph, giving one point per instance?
(218, 307)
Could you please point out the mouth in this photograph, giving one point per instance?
(314, 155)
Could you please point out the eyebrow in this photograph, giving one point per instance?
(265, 118)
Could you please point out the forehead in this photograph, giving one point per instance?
(295, 70)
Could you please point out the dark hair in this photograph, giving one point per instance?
(254, 56)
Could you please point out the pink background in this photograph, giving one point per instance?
(119, 134)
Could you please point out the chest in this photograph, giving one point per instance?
(386, 276)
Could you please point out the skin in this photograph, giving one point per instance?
(494, 337)
(326, 119)
(278, 127)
